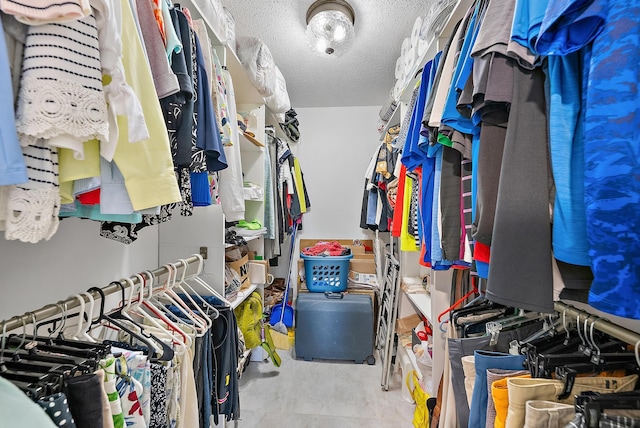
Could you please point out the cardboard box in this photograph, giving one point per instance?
(366, 256)
(407, 324)
(363, 265)
(242, 267)
(363, 278)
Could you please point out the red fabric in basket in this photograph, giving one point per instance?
(328, 248)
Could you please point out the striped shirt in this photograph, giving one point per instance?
(61, 97)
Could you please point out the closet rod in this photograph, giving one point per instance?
(601, 324)
(53, 309)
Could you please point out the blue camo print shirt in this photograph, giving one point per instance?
(612, 161)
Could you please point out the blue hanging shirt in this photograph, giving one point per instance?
(527, 19)
(570, 25)
(612, 162)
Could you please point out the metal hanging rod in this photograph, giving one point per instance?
(601, 324)
(53, 309)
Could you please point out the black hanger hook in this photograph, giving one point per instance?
(102, 298)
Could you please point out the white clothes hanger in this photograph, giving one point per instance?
(183, 285)
(85, 331)
(178, 284)
(203, 302)
(77, 335)
(171, 328)
(167, 293)
(196, 278)
(175, 332)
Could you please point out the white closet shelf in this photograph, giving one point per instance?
(243, 89)
(242, 295)
(245, 92)
(250, 144)
(422, 302)
(246, 238)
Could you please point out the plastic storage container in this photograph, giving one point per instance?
(334, 326)
(326, 273)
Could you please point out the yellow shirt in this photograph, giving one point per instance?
(147, 165)
(297, 178)
(71, 169)
(407, 241)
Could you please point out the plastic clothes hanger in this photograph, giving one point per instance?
(34, 378)
(62, 345)
(207, 321)
(103, 317)
(37, 354)
(160, 311)
(175, 333)
(85, 332)
(166, 292)
(24, 365)
(196, 278)
(203, 303)
(209, 309)
(162, 297)
(592, 404)
(459, 302)
(81, 313)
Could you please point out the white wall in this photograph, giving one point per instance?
(334, 150)
(336, 144)
(75, 259)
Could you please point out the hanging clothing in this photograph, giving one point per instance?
(46, 12)
(32, 208)
(12, 165)
(207, 134)
(62, 68)
(16, 409)
(612, 151)
(164, 80)
(146, 167)
(231, 191)
(516, 269)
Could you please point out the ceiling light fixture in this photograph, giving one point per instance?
(330, 27)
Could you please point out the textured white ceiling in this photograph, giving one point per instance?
(364, 75)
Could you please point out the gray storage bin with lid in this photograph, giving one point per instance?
(334, 326)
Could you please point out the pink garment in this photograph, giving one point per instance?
(328, 248)
(39, 12)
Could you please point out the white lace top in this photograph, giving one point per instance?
(61, 98)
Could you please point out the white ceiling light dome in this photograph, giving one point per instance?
(330, 27)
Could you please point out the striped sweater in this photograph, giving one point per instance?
(61, 98)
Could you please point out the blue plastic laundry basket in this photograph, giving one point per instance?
(326, 273)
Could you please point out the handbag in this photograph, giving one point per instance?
(420, 396)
